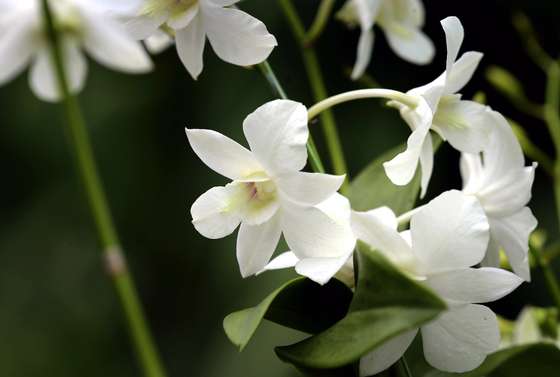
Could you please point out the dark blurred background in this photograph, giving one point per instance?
(59, 315)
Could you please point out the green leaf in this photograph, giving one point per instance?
(299, 304)
(386, 304)
(372, 189)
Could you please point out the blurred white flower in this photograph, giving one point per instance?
(502, 183)
(82, 24)
(269, 195)
(400, 20)
(463, 123)
(235, 36)
(446, 238)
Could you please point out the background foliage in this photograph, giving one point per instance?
(59, 315)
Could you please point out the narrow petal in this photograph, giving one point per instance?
(223, 155)
(16, 48)
(512, 234)
(451, 232)
(454, 35)
(387, 354)
(378, 228)
(320, 270)
(365, 51)
(462, 71)
(474, 285)
(43, 79)
(111, 45)
(212, 214)
(237, 37)
(465, 124)
(277, 134)
(461, 338)
(471, 169)
(190, 43)
(402, 167)
(284, 260)
(503, 153)
(426, 164)
(256, 244)
(411, 45)
(312, 233)
(309, 188)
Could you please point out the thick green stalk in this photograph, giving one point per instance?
(320, 21)
(115, 259)
(314, 158)
(552, 118)
(315, 76)
(549, 277)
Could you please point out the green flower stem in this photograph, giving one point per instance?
(528, 35)
(405, 217)
(405, 370)
(354, 95)
(320, 21)
(552, 118)
(116, 262)
(314, 158)
(550, 278)
(315, 75)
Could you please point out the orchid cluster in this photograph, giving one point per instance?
(452, 248)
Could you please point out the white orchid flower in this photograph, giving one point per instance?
(463, 123)
(235, 36)
(502, 183)
(81, 24)
(269, 195)
(400, 20)
(321, 267)
(446, 238)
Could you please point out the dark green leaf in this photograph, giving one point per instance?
(387, 303)
(299, 304)
(372, 189)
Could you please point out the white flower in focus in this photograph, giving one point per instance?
(446, 238)
(463, 123)
(81, 24)
(270, 196)
(400, 20)
(235, 36)
(502, 183)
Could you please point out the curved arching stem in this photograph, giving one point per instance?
(389, 94)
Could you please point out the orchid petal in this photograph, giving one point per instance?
(221, 154)
(212, 215)
(411, 45)
(110, 45)
(464, 124)
(277, 134)
(387, 354)
(451, 232)
(461, 338)
(512, 234)
(309, 188)
(474, 285)
(237, 37)
(314, 233)
(256, 244)
(190, 43)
